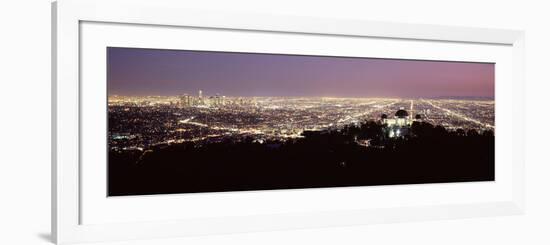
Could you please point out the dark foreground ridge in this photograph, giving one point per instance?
(330, 158)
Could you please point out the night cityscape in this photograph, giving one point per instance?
(148, 121)
(254, 127)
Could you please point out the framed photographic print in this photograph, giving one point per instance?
(172, 122)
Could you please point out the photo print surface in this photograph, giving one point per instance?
(183, 121)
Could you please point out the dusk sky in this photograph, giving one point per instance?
(173, 72)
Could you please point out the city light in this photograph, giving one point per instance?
(140, 122)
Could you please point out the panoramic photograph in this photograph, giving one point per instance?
(185, 121)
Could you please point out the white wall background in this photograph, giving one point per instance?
(25, 122)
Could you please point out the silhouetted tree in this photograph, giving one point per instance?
(472, 133)
(488, 133)
(328, 158)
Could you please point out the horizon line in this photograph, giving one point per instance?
(320, 96)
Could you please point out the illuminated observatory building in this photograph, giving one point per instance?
(399, 125)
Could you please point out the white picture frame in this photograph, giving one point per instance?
(67, 16)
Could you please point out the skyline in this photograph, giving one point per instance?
(156, 72)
